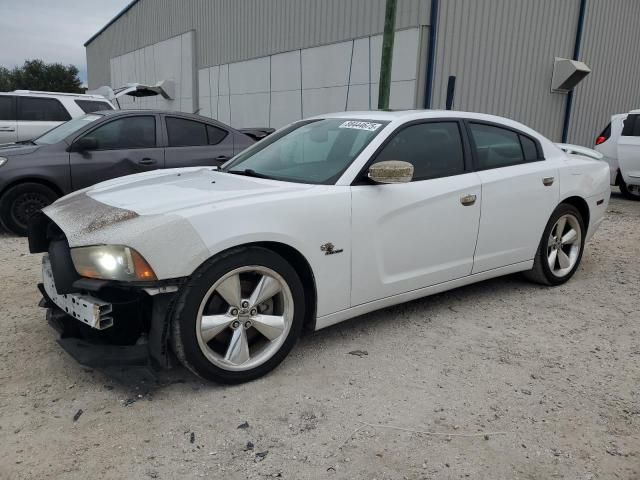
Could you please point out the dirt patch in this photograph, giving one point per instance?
(531, 383)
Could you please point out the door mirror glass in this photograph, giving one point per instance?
(86, 143)
(391, 171)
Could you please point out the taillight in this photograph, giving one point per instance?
(604, 135)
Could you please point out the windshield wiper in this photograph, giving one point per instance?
(249, 172)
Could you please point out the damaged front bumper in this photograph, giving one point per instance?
(103, 324)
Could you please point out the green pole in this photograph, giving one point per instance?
(387, 54)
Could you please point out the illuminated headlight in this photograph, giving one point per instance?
(111, 262)
(3, 160)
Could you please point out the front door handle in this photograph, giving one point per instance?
(222, 158)
(7, 129)
(468, 200)
(147, 161)
(547, 181)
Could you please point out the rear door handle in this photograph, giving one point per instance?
(222, 158)
(7, 129)
(547, 181)
(147, 161)
(468, 200)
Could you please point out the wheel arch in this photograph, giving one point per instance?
(42, 181)
(582, 206)
(302, 267)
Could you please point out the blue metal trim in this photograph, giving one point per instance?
(576, 54)
(431, 54)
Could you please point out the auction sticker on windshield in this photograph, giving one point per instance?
(371, 127)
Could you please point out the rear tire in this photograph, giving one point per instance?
(238, 316)
(20, 202)
(630, 192)
(561, 246)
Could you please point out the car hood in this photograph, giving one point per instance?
(122, 208)
(179, 190)
(15, 149)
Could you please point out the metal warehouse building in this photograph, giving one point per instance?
(270, 62)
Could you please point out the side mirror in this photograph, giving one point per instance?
(85, 143)
(391, 171)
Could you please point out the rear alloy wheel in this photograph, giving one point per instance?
(20, 202)
(561, 247)
(632, 192)
(239, 316)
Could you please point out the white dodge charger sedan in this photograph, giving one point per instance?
(329, 218)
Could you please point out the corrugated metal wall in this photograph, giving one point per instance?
(233, 30)
(502, 53)
(611, 47)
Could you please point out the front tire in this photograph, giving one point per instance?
(631, 192)
(560, 250)
(20, 202)
(238, 316)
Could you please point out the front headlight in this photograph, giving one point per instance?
(3, 160)
(111, 262)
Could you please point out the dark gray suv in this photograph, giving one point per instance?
(104, 145)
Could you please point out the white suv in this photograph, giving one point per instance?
(619, 142)
(25, 115)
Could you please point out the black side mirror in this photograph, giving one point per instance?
(85, 143)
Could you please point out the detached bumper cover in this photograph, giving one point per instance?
(138, 336)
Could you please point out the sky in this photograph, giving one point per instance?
(52, 30)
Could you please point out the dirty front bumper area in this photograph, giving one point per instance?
(102, 323)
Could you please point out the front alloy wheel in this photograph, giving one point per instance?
(244, 318)
(238, 316)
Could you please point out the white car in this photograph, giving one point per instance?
(619, 142)
(26, 114)
(327, 219)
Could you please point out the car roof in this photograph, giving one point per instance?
(405, 115)
(402, 116)
(130, 111)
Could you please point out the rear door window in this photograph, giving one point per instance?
(496, 147)
(7, 112)
(41, 110)
(631, 126)
(186, 133)
(89, 106)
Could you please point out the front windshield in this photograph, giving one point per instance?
(315, 151)
(62, 131)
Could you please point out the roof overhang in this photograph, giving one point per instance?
(165, 88)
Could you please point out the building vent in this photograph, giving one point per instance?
(567, 74)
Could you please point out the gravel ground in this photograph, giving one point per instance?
(530, 383)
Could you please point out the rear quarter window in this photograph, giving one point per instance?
(89, 106)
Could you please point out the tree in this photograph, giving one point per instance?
(37, 75)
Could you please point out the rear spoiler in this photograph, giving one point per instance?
(257, 133)
(578, 150)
